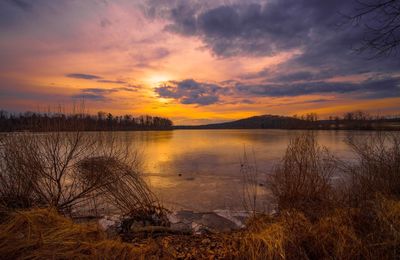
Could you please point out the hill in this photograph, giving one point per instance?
(255, 122)
(348, 122)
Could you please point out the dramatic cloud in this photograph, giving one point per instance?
(24, 5)
(297, 76)
(94, 77)
(371, 88)
(95, 94)
(89, 96)
(193, 92)
(111, 81)
(98, 90)
(129, 89)
(82, 76)
(255, 28)
(265, 29)
(239, 57)
(190, 92)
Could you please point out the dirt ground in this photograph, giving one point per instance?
(206, 246)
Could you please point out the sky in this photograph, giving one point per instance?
(193, 61)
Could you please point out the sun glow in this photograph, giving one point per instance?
(157, 79)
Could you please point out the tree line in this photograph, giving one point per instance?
(102, 121)
(357, 120)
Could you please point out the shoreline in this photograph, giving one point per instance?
(200, 128)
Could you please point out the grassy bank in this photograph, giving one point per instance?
(343, 234)
(317, 216)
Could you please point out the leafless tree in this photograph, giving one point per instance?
(381, 20)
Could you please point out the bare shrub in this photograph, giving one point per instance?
(376, 169)
(302, 180)
(311, 224)
(249, 172)
(16, 181)
(372, 188)
(125, 189)
(46, 169)
(46, 165)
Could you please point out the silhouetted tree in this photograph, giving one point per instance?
(30, 121)
(381, 20)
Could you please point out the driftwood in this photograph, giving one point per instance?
(159, 229)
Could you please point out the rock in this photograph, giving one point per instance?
(173, 218)
(181, 227)
(199, 229)
(216, 223)
(110, 224)
(108, 221)
(200, 223)
(187, 215)
(105, 223)
(237, 217)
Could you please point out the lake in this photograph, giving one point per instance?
(199, 170)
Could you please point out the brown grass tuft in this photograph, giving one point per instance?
(44, 234)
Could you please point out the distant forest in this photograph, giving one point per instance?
(102, 121)
(31, 121)
(358, 120)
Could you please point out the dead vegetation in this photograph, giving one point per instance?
(250, 174)
(376, 169)
(125, 189)
(317, 220)
(314, 220)
(44, 234)
(71, 171)
(302, 180)
(343, 234)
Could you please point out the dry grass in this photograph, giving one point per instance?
(312, 220)
(312, 223)
(44, 234)
(338, 235)
(263, 240)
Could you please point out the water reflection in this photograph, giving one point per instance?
(200, 169)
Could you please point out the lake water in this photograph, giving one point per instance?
(200, 169)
